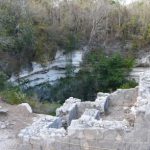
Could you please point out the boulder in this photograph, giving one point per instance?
(28, 107)
(3, 111)
(25, 109)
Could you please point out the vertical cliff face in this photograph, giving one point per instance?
(53, 71)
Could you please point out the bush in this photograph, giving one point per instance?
(129, 84)
(108, 72)
(3, 79)
(15, 96)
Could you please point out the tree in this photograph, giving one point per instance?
(108, 72)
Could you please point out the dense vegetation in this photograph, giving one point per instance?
(33, 30)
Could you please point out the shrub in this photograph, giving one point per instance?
(129, 84)
(3, 78)
(15, 96)
(108, 72)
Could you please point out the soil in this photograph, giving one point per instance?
(14, 120)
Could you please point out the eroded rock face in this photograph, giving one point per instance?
(53, 71)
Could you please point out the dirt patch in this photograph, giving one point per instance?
(11, 123)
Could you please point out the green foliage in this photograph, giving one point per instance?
(129, 84)
(81, 86)
(98, 73)
(7, 20)
(14, 95)
(147, 34)
(37, 33)
(3, 78)
(109, 73)
(69, 70)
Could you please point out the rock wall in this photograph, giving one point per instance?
(53, 71)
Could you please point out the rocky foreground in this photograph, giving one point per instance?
(116, 121)
(12, 120)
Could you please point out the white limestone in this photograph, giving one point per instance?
(137, 72)
(91, 113)
(144, 61)
(43, 128)
(27, 106)
(123, 97)
(68, 111)
(92, 123)
(52, 71)
(4, 124)
(3, 111)
(102, 102)
(143, 101)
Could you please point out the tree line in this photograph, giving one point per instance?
(33, 30)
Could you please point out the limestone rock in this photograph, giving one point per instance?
(3, 111)
(43, 129)
(123, 97)
(102, 102)
(53, 71)
(28, 107)
(4, 124)
(144, 61)
(68, 111)
(24, 109)
(143, 101)
(91, 113)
